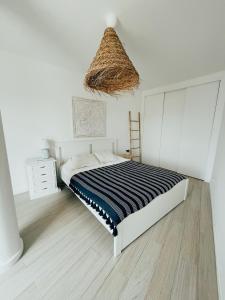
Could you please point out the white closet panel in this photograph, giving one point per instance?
(171, 129)
(199, 112)
(152, 121)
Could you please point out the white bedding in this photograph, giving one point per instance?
(66, 173)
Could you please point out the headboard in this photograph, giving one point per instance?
(65, 149)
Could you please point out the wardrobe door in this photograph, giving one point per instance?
(171, 129)
(198, 120)
(152, 122)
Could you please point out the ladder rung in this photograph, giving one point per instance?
(135, 148)
(135, 139)
(134, 130)
(134, 121)
(135, 156)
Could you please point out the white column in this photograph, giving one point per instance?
(11, 245)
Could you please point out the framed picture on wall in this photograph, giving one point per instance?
(89, 117)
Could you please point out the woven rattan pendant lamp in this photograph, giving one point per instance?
(111, 70)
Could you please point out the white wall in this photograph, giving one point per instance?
(217, 188)
(35, 100)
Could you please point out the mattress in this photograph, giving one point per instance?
(118, 190)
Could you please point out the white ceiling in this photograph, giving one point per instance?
(168, 40)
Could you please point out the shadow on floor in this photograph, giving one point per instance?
(43, 222)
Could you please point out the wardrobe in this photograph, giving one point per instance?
(177, 128)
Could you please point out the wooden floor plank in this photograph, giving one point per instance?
(161, 283)
(29, 293)
(124, 266)
(185, 282)
(207, 283)
(69, 255)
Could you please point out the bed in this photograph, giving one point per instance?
(126, 197)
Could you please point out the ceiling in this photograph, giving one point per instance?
(167, 40)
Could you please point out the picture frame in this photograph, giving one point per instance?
(89, 117)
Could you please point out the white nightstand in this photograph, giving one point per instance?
(126, 155)
(42, 177)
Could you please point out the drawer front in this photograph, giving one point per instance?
(44, 173)
(43, 170)
(43, 177)
(44, 187)
(42, 192)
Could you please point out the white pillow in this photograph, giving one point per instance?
(81, 161)
(104, 156)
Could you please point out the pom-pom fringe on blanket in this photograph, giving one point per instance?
(100, 211)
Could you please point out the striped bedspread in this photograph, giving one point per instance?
(116, 191)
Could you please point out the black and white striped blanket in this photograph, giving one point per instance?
(116, 191)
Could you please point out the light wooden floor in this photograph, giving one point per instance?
(68, 254)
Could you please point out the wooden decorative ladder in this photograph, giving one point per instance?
(135, 137)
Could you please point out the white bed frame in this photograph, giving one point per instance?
(137, 223)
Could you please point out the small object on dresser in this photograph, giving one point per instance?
(42, 178)
(126, 155)
(45, 148)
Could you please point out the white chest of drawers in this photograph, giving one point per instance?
(42, 178)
